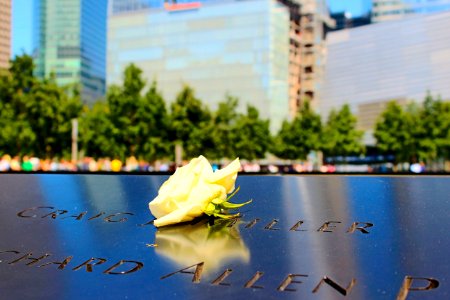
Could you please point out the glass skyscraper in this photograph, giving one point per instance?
(121, 6)
(71, 44)
(386, 10)
(235, 47)
(399, 60)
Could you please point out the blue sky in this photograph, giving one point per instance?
(355, 7)
(23, 20)
(22, 28)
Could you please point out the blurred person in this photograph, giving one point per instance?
(131, 164)
(273, 169)
(299, 168)
(45, 165)
(144, 166)
(35, 163)
(163, 167)
(26, 164)
(15, 164)
(54, 165)
(5, 163)
(83, 165)
(92, 165)
(116, 165)
(106, 166)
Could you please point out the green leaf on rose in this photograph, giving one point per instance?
(218, 209)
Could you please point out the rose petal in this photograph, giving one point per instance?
(226, 177)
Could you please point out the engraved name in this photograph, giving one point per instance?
(291, 282)
(327, 226)
(120, 267)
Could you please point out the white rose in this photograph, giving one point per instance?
(192, 190)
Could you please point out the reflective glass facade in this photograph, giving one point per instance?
(385, 10)
(121, 6)
(236, 47)
(399, 60)
(71, 43)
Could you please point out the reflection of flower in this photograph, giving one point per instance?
(215, 245)
(193, 190)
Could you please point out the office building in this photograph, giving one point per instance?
(314, 21)
(235, 47)
(5, 33)
(388, 10)
(399, 60)
(71, 44)
(345, 20)
(306, 35)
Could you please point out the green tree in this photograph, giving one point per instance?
(251, 135)
(124, 103)
(298, 138)
(49, 112)
(395, 132)
(340, 136)
(189, 120)
(97, 132)
(222, 129)
(433, 135)
(16, 136)
(153, 123)
(35, 114)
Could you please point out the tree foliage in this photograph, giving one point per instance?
(35, 114)
(434, 133)
(189, 121)
(340, 136)
(392, 132)
(417, 133)
(223, 129)
(297, 138)
(251, 137)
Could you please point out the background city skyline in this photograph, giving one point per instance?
(275, 60)
(22, 20)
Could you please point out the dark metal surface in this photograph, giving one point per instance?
(314, 230)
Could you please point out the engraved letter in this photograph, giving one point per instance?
(218, 280)
(23, 215)
(328, 226)
(97, 215)
(109, 218)
(252, 223)
(296, 226)
(62, 264)
(77, 217)
(55, 213)
(335, 286)
(271, 224)
(229, 222)
(138, 265)
(145, 224)
(355, 226)
(89, 265)
(289, 280)
(250, 284)
(407, 283)
(28, 256)
(197, 273)
(9, 251)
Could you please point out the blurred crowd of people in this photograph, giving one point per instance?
(131, 164)
(87, 164)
